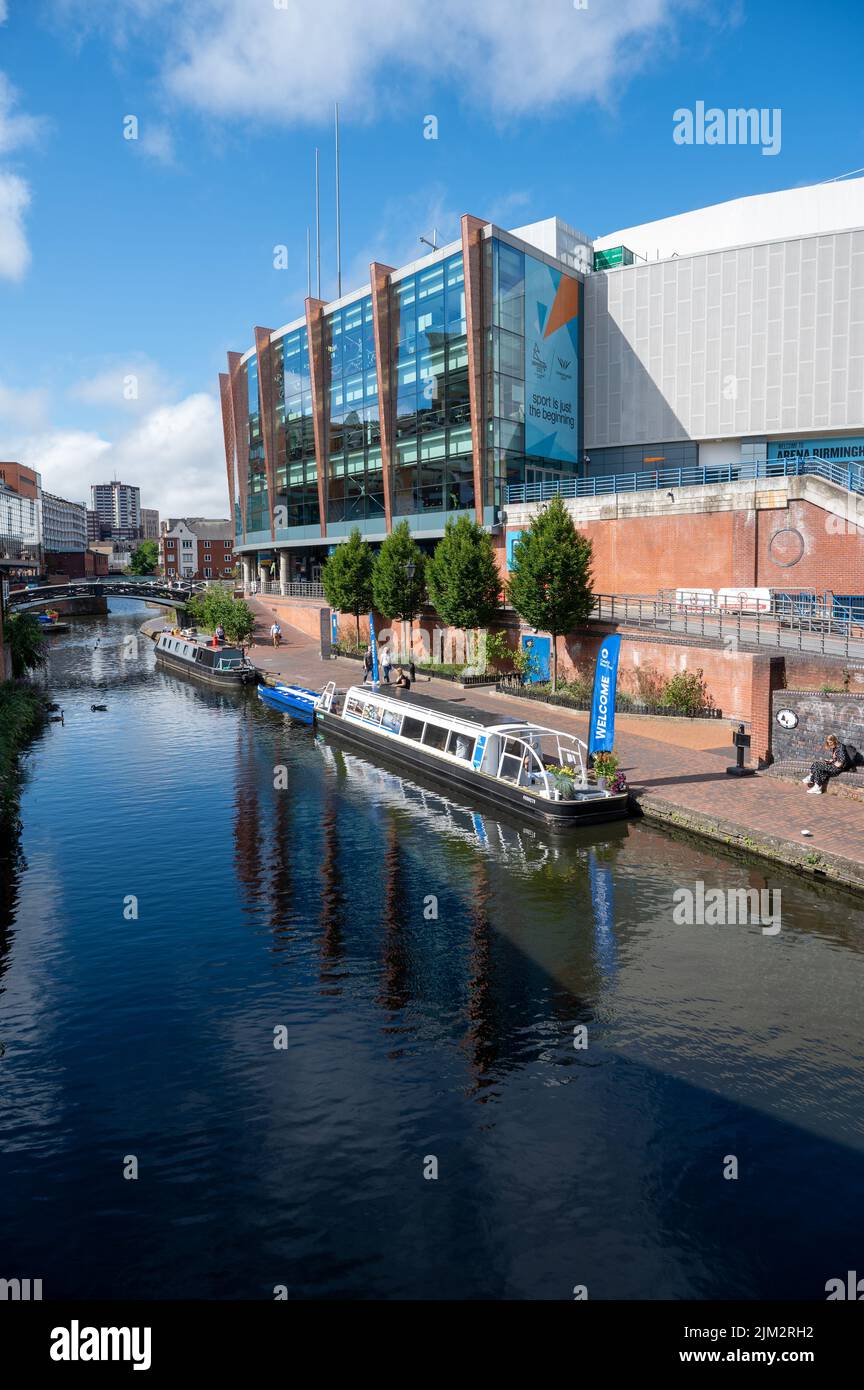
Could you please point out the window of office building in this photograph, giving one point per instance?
(355, 479)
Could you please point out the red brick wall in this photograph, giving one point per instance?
(713, 550)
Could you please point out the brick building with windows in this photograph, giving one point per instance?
(195, 548)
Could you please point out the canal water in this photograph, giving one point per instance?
(333, 1020)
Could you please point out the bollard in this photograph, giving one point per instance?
(740, 741)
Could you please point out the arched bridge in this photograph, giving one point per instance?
(154, 592)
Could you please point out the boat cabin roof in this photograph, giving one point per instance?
(450, 709)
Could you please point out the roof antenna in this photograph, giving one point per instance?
(338, 215)
(434, 242)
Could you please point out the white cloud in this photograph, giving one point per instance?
(16, 128)
(3, 11)
(248, 58)
(174, 453)
(14, 201)
(26, 410)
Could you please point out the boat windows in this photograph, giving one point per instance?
(435, 736)
(372, 712)
(413, 728)
(461, 745)
(391, 719)
(510, 765)
(354, 706)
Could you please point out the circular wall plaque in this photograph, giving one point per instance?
(787, 718)
(786, 547)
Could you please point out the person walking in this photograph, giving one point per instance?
(839, 757)
(275, 632)
(384, 660)
(367, 664)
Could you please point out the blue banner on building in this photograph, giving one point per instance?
(602, 735)
(552, 304)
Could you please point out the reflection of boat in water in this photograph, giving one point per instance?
(294, 700)
(224, 666)
(533, 770)
(493, 836)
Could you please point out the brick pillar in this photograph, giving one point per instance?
(240, 422)
(264, 354)
(472, 262)
(767, 674)
(319, 377)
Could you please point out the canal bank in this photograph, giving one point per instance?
(676, 769)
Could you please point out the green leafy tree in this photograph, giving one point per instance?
(463, 577)
(145, 558)
(347, 578)
(206, 611)
(397, 596)
(550, 586)
(26, 643)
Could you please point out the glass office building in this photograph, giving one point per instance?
(417, 398)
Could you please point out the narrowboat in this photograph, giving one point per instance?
(294, 700)
(517, 766)
(222, 666)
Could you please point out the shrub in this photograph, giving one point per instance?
(606, 765)
(687, 692)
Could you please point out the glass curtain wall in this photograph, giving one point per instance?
(432, 463)
(356, 479)
(294, 431)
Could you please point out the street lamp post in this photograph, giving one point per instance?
(410, 570)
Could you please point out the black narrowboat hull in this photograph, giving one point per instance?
(225, 680)
(557, 815)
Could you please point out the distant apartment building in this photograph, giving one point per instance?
(194, 548)
(149, 524)
(94, 527)
(20, 520)
(118, 507)
(64, 537)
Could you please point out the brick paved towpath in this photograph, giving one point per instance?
(675, 767)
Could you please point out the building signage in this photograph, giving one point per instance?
(551, 363)
(849, 450)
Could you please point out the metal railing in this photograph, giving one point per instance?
(847, 474)
(299, 588)
(785, 627)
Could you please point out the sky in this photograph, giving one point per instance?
(130, 266)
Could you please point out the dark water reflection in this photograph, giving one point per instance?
(428, 967)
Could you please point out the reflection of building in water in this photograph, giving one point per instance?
(394, 993)
(482, 1039)
(247, 820)
(332, 918)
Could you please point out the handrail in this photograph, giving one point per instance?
(848, 474)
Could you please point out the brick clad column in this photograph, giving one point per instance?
(385, 331)
(265, 395)
(472, 260)
(240, 421)
(319, 373)
(768, 673)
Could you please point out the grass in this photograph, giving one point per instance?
(22, 714)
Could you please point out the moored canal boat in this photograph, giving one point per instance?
(524, 767)
(294, 700)
(223, 666)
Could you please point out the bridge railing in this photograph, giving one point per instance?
(847, 474)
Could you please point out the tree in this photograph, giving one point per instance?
(215, 606)
(347, 578)
(463, 576)
(26, 643)
(395, 595)
(550, 586)
(145, 558)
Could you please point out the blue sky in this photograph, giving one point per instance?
(153, 257)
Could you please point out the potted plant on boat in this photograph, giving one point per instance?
(605, 768)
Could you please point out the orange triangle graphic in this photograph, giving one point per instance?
(565, 305)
